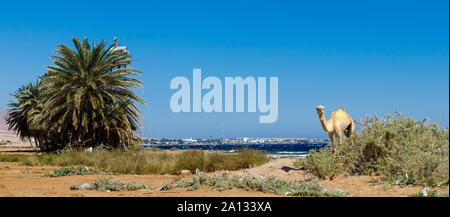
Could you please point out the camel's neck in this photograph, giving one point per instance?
(326, 127)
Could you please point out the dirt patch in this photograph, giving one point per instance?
(282, 168)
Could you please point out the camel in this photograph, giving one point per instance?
(339, 122)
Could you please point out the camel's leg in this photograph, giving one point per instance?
(352, 129)
(330, 135)
(339, 137)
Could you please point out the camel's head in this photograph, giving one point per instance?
(320, 109)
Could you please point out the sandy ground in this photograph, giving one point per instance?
(18, 180)
(24, 181)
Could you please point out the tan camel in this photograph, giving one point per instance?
(339, 122)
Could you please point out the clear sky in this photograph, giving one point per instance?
(367, 56)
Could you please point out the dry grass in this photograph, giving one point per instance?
(144, 162)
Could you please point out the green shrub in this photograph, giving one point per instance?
(75, 187)
(401, 150)
(431, 193)
(112, 184)
(267, 185)
(71, 171)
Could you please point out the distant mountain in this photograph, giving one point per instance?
(7, 135)
(3, 125)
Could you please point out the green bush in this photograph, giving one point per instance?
(71, 171)
(111, 184)
(431, 193)
(401, 150)
(75, 187)
(267, 185)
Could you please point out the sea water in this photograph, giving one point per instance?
(299, 150)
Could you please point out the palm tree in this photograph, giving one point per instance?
(89, 99)
(24, 111)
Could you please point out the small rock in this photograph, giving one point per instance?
(164, 188)
(398, 180)
(425, 191)
(340, 190)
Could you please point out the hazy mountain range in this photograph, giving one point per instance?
(3, 125)
(11, 136)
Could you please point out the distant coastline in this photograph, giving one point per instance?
(234, 141)
(298, 149)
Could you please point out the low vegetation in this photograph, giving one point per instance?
(71, 171)
(112, 184)
(430, 193)
(11, 158)
(401, 150)
(143, 162)
(263, 184)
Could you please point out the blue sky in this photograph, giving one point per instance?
(367, 56)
